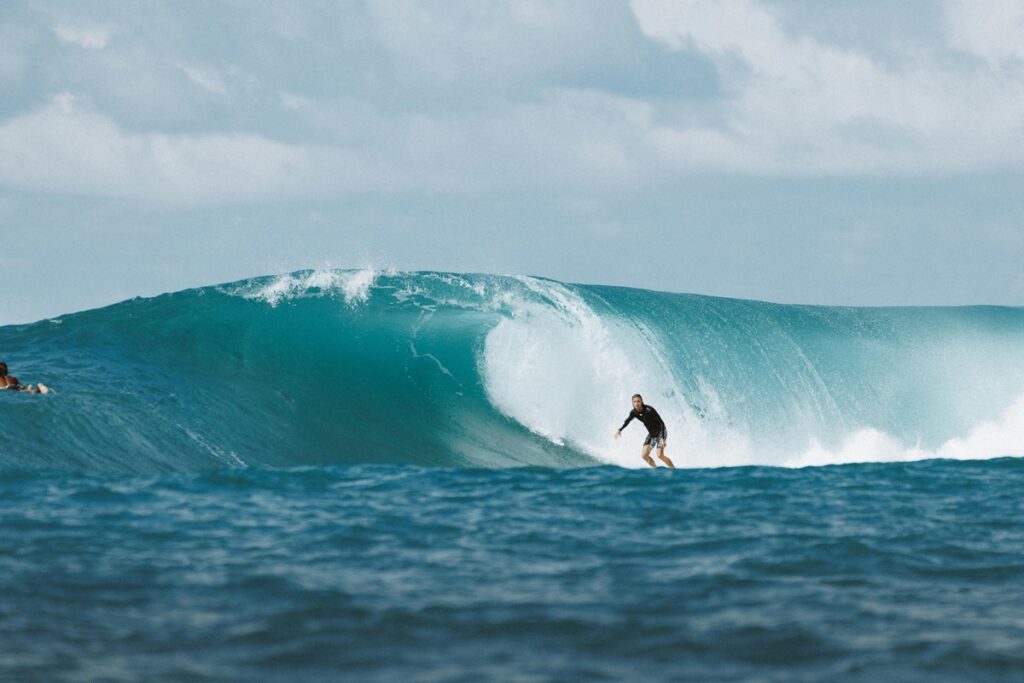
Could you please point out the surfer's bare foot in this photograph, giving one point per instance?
(42, 388)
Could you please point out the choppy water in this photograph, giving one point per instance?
(871, 572)
(386, 476)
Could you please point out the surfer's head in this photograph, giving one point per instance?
(638, 401)
(3, 369)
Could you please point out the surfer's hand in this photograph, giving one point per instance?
(618, 433)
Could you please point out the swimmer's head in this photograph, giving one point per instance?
(3, 369)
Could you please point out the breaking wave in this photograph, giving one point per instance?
(439, 369)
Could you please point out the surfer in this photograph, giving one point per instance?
(11, 383)
(657, 435)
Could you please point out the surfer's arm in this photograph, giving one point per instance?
(629, 419)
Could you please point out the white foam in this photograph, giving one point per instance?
(472, 295)
(353, 285)
(987, 439)
(556, 367)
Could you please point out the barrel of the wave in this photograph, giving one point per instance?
(746, 382)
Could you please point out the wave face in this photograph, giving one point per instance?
(324, 367)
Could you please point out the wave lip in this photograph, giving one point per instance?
(353, 285)
(443, 369)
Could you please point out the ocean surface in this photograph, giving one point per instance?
(385, 476)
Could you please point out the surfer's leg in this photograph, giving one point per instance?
(647, 455)
(663, 457)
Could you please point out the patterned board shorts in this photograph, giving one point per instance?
(658, 440)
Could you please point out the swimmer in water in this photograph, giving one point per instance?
(11, 383)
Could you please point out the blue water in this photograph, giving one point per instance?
(412, 477)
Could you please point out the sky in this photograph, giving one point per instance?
(853, 152)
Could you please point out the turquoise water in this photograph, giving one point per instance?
(411, 476)
(462, 370)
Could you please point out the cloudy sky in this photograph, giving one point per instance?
(850, 152)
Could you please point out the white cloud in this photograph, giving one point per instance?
(91, 36)
(789, 104)
(993, 30)
(205, 77)
(572, 139)
(797, 105)
(68, 147)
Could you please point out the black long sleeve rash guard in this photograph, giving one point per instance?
(649, 416)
